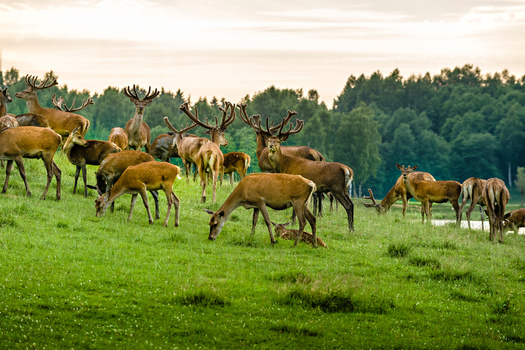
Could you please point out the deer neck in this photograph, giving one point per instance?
(136, 121)
(215, 137)
(409, 186)
(68, 146)
(390, 198)
(33, 106)
(276, 159)
(3, 109)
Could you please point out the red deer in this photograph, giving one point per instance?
(472, 189)
(206, 155)
(7, 121)
(30, 142)
(81, 152)
(136, 179)
(164, 148)
(62, 122)
(291, 234)
(496, 196)
(328, 176)
(139, 133)
(398, 191)
(428, 192)
(238, 162)
(26, 119)
(260, 191)
(514, 220)
(5, 98)
(112, 168)
(119, 137)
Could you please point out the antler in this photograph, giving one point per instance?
(371, 197)
(58, 104)
(227, 120)
(255, 118)
(284, 135)
(182, 130)
(31, 81)
(134, 96)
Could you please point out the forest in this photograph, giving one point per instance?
(455, 125)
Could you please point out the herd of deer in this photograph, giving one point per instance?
(291, 174)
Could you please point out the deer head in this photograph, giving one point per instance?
(6, 96)
(140, 104)
(406, 171)
(30, 92)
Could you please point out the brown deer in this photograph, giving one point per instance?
(260, 191)
(514, 220)
(238, 162)
(7, 121)
(137, 179)
(32, 119)
(30, 142)
(119, 137)
(5, 98)
(428, 192)
(62, 122)
(139, 133)
(472, 189)
(206, 155)
(162, 147)
(328, 176)
(291, 234)
(398, 191)
(112, 168)
(81, 152)
(496, 196)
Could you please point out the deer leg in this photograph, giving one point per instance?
(133, 201)
(214, 174)
(8, 169)
(343, 198)
(58, 177)
(176, 203)
(312, 221)
(266, 216)
(84, 177)
(314, 196)
(169, 198)
(77, 173)
(254, 219)
(481, 213)
(155, 195)
(469, 212)
(405, 205)
(144, 196)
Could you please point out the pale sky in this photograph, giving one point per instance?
(234, 48)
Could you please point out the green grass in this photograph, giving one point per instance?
(71, 280)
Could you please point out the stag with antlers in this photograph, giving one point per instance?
(200, 151)
(61, 121)
(428, 192)
(139, 133)
(328, 176)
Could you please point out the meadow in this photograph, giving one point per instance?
(71, 280)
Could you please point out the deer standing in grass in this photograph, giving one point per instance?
(119, 137)
(260, 191)
(82, 152)
(328, 176)
(112, 168)
(30, 142)
(398, 191)
(238, 162)
(62, 122)
(428, 192)
(137, 179)
(139, 133)
(496, 196)
(205, 154)
(472, 189)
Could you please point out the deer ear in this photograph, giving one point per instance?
(414, 167)
(398, 166)
(208, 211)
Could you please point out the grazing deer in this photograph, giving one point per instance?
(5, 98)
(260, 191)
(328, 176)
(398, 191)
(119, 137)
(114, 165)
(514, 220)
(62, 122)
(428, 192)
(291, 234)
(206, 155)
(139, 133)
(238, 162)
(81, 152)
(472, 189)
(136, 179)
(496, 196)
(30, 142)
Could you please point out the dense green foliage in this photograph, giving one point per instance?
(455, 125)
(71, 280)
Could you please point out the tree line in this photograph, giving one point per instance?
(454, 125)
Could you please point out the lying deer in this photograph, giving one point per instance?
(81, 152)
(514, 220)
(291, 234)
(260, 191)
(137, 179)
(30, 142)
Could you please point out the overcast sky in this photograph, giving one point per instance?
(234, 48)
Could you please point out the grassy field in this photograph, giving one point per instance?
(71, 280)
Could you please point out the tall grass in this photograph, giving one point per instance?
(71, 280)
